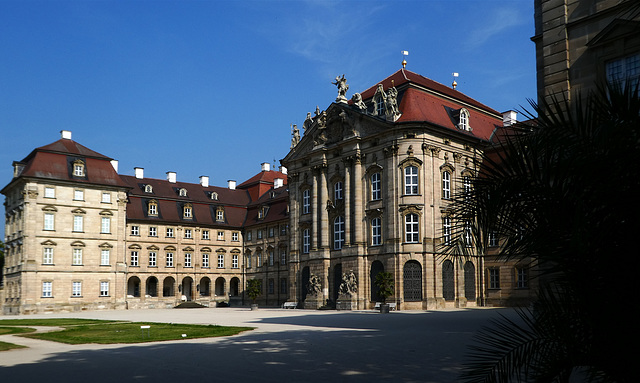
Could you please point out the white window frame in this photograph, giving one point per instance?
(187, 259)
(306, 241)
(47, 289)
(338, 233)
(446, 184)
(221, 260)
(169, 259)
(153, 231)
(235, 236)
(78, 170)
(338, 191)
(249, 235)
(283, 256)
(105, 254)
(412, 228)
(153, 259)
(376, 231)
(234, 261)
(78, 195)
(105, 227)
(76, 258)
(104, 289)
(135, 258)
(220, 215)
(135, 230)
(188, 234)
(411, 180)
(49, 221)
(446, 230)
(205, 260)
(376, 190)
(205, 234)
(76, 289)
(188, 212)
(220, 235)
(47, 256)
(306, 201)
(78, 223)
(106, 197)
(153, 209)
(169, 232)
(49, 192)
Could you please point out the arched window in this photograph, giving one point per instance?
(148, 189)
(338, 233)
(470, 281)
(412, 281)
(412, 228)
(448, 283)
(183, 192)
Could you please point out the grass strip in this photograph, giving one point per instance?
(54, 322)
(4, 346)
(15, 330)
(130, 332)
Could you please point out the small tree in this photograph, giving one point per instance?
(384, 282)
(254, 289)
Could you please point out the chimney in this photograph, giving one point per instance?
(283, 170)
(114, 163)
(509, 117)
(278, 183)
(232, 184)
(65, 134)
(204, 181)
(171, 177)
(139, 173)
(266, 166)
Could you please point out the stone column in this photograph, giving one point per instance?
(359, 207)
(347, 202)
(324, 218)
(315, 223)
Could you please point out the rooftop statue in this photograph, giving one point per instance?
(295, 136)
(357, 101)
(342, 85)
(307, 123)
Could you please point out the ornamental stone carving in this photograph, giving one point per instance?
(295, 136)
(349, 284)
(357, 101)
(314, 286)
(341, 83)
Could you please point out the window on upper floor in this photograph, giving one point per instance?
(153, 257)
(220, 235)
(235, 236)
(446, 230)
(234, 260)
(182, 192)
(338, 233)
(376, 231)
(78, 223)
(446, 184)
(78, 195)
(411, 180)
(259, 232)
(134, 258)
(306, 201)
(105, 254)
(47, 256)
(205, 259)
(376, 187)
(153, 231)
(153, 208)
(187, 259)
(135, 230)
(76, 256)
(337, 191)
(306, 241)
(221, 260)
(49, 192)
(220, 214)
(188, 234)
(205, 234)
(78, 168)
(187, 211)
(169, 232)
(463, 120)
(106, 197)
(283, 256)
(148, 189)
(412, 228)
(49, 220)
(624, 69)
(105, 226)
(249, 235)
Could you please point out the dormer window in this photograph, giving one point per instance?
(188, 211)
(182, 192)
(220, 214)
(153, 208)
(214, 196)
(148, 189)
(463, 120)
(78, 168)
(263, 212)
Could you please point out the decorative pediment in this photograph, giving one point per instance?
(170, 248)
(106, 246)
(221, 250)
(106, 213)
(78, 211)
(188, 248)
(78, 244)
(205, 250)
(135, 246)
(616, 30)
(48, 242)
(50, 208)
(153, 248)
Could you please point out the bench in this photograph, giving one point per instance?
(392, 306)
(289, 305)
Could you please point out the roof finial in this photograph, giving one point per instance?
(404, 61)
(454, 84)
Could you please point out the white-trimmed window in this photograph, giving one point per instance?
(235, 236)
(205, 259)
(187, 259)
(376, 231)
(188, 233)
(153, 231)
(76, 258)
(249, 235)
(49, 221)
(306, 241)
(153, 208)
(104, 289)
(205, 234)
(135, 230)
(306, 201)
(188, 211)
(220, 215)
(105, 254)
(49, 192)
(134, 258)
(169, 232)
(78, 169)
(338, 233)
(446, 184)
(411, 180)
(78, 221)
(466, 184)
(105, 226)
(380, 106)
(412, 228)
(153, 256)
(169, 259)
(492, 239)
(283, 256)
(468, 239)
(220, 260)
(375, 187)
(258, 259)
(234, 261)
(221, 236)
(47, 289)
(446, 230)
(248, 261)
(47, 256)
(78, 195)
(337, 191)
(106, 197)
(76, 289)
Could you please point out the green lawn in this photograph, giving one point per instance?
(4, 346)
(80, 331)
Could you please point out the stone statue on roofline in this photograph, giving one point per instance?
(341, 83)
(391, 104)
(307, 123)
(357, 101)
(295, 136)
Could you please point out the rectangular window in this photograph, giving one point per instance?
(187, 259)
(411, 228)
(187, 212)
(77, 223)
(283, 230)
(220, 235)
(620, 70)
(258, 259)
(104, 289)
(169, 259)
(249, 235)
(235, 236)
(492, 239)
(337, 191)
(49, 192)
(78, 195)
(271, 286)
(221, 261)
(104, 257)
(306, 241)
(271, 258)
(259, 234)
(234, 261)
(446, 230)
(76, 289)
(47, 289)
(153, 231)
(376, 231)
(338, 233)
(187, 233)
(411, 180)
(169, 232)
(77, 257)
(522, 278)
(106, 197)
(375, 186)
(153, 209)
(248, 261)
(446, 185)
(306, 201)
(271, 232)
(283, 256)
(494, 278)
(134, 258)
(78, 170)
(105, 227)
(220, 215)
(205, 234)
(135, 230)
(205, 259)
(283, 285)
(48, 221)
(47, 256)
(152, 258)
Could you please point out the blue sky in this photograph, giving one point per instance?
(212, 87)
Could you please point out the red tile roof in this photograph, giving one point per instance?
(261, 183)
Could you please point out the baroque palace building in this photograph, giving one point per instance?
(367, 190)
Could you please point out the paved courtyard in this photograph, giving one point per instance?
(287, 346)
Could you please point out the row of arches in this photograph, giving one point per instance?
(187, 288)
